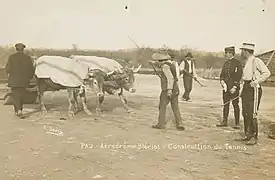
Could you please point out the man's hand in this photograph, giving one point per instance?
(151, 61)
(169, 92)
(253, 84)
(224, 86)
(233, 90)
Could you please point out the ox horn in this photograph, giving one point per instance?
(133, 68)
(137, 69)
(118, 69)
(109, 73)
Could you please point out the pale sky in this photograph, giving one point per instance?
(207, 25)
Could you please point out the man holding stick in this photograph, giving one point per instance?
(230, 81)
(169, 89)
(187, 68)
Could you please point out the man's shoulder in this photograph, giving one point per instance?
(166, 65)
(13, 55)
(258, 59)
(237, 61)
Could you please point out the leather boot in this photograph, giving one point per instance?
(222, 124)
(252, 141)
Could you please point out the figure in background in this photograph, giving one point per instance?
(187, 68)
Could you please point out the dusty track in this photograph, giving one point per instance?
(30, 152)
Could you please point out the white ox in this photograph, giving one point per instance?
(54, 73)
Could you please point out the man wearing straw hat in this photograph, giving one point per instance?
(169, 90)
(20, 71)
(230, 81)
(255, 72)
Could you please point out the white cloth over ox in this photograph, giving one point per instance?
(61, 70)
(95, 62)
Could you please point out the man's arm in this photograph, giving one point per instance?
(169, 76)
(194, 71)
(181, 67)
(238, 71)
(8, 66)
(222, 74)
(265, 73)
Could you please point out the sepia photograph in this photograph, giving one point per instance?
(137, 90)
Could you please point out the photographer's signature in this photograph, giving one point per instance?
(52, 130)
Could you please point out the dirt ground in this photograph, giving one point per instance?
(124, 146)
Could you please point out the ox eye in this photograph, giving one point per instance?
(95, 82)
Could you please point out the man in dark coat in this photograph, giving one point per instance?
(169, 90)
(187, 68)
(230, 81)
(20, 71)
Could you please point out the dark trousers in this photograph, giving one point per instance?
(250, 104)
(18, 94)
(187, 82)
(227, 96)
(164, 101)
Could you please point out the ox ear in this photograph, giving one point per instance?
(137, 69)
(91, 74)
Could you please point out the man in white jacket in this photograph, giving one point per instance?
(255, 72)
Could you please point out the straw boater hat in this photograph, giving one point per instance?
(161, 56)
(230, 49)
(248, 46)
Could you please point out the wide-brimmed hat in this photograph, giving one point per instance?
(20, 46)
(248, 46)
(161, 56)
(189, 54)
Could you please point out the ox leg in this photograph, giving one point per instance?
(124, 101)
(41, 86)
(71, 101)
(76, 105)
(99, 101)
(84, 103)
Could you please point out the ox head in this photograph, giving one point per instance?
(94, 81)
(126, 78)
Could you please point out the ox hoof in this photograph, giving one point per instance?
(89, 113)
(98, 112)
(129, 111)
(43, 112)
(71, 114)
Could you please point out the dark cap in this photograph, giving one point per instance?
(230, 49)
(189, 54)
(20, 46)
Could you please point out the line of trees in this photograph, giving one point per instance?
(126, 57)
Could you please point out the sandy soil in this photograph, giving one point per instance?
(124, 146)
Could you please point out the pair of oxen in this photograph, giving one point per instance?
(97, 82)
